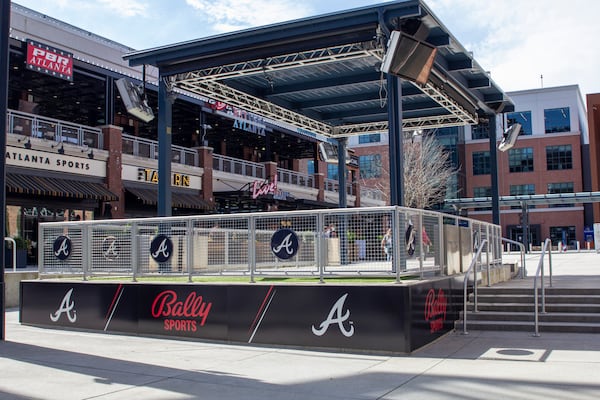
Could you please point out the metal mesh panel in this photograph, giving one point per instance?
(111, 248)
(330, 242)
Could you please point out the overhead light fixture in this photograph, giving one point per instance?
(61, 149)
(509, 137)
(91, 155)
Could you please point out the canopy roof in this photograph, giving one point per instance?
(320, 75)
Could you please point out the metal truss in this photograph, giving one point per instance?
(220, 92)
(407, 125)
(286, 61)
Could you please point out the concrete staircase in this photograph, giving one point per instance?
(512, 309)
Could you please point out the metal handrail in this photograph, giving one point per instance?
(522, 247)
(14, 251)
(471, 267)
(540, 271)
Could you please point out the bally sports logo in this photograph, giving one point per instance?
(180, 315)
(435, 310)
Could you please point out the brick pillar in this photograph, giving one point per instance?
(320, 184)
(113, 143)
(356, 190)
(206, 163)
(270, 169)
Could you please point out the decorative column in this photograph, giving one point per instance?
(113, 143)
(206, 163)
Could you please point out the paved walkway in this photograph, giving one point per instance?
(38, 363)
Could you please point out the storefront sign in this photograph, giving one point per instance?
(54, 162)
(243, 119)
(261, 188)
(151, 175)
(49, 60)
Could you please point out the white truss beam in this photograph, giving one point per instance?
(286, 61)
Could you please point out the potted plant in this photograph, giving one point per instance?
(22, 246)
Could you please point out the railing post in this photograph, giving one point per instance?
(86, 243)
(135, 254)
(252, 246)
(487, 254)
(420, 238)
(189, 242)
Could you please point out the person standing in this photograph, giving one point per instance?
(387, 244)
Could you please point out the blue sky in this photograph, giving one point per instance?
(516, 40)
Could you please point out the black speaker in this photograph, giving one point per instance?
(408, 58)
(134, 100)
(329, 153)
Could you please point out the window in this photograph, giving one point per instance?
(332, 171)
(481, 163)
(310, 166)
(372, 138)
(480, 131)
(485, 191)
(561, 187)
(523, 118)
(559, 157)
(564, 234)
(370, 166)
(557, 120)
(520, 160)
(520, 190)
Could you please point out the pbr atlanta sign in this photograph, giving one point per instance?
(49, 60)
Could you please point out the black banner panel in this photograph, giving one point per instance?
(397, 318)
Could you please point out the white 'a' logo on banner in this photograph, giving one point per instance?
(67, 306)
(336, 317)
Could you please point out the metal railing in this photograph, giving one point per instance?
(472, 267)
(54, 130)
(339, 242)
(14, 252)
(239, 167)
(295, 178)
(540, 272)
(522, 247)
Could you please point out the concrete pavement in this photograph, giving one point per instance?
(37, 363)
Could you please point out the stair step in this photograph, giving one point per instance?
(529, 307)
(529, 326)
(575, 299)
(529, 290)
(529, 316)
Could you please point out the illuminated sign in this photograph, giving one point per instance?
(49, 60)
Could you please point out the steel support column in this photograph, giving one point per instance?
(395, 141)
(165, 108)
(4, 29)
(494, 170)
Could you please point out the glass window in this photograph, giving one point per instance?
(371, 138)
(310, 167)
(480, 131)
(559, 157)
(481, 163)
(520, 160)
(485, 191)
(370, 166)
(564, 234)
(557, 120)
(523, 118)
(520, 190)
(561, 187)
(332, 171)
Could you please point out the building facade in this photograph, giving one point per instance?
(75, 152)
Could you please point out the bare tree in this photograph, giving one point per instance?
(427, 170)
